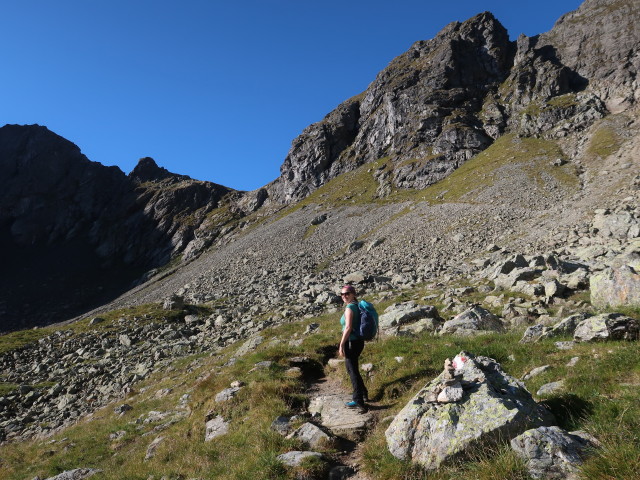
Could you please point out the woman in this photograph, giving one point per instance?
(351, 347)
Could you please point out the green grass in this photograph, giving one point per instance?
(604, 142)
(601, 397)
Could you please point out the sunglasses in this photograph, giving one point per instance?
(342, 294)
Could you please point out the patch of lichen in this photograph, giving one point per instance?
(563, 101)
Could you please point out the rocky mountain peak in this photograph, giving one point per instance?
(147, 170)
(447, 99)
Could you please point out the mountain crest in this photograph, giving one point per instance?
(147, 170)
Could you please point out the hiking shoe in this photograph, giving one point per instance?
(357, 406)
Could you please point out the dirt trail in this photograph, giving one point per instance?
(344, 422)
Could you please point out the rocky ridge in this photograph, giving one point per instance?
(447, 99)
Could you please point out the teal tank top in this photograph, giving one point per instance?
(356, 320)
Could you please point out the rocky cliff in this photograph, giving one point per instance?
(446, 99)
(75, 233)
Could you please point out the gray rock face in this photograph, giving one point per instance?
(494, 405)
(599, 41)
(607, 326)
(474, 321)
(552, 453)
(417, 92)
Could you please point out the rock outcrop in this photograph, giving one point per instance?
(448, 98)
(472, 403)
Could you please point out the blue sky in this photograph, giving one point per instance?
(211, 89)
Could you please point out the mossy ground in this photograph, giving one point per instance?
(601, 396)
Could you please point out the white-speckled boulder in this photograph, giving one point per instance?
(474, 321)
(553, 453)
(607, 326)
(400, 314)
(615, 287)
(493, 407)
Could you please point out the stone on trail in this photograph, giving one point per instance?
(474, 321)
(296, 457)
(312, 435)
(338, 418)
(553, 453)
(76, 474)
(607, 326)
(494, 406)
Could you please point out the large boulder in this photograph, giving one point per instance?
(471, 404)
(607, 326)
(616, 286)
(400, 314)
(552, 453)
(474, 321)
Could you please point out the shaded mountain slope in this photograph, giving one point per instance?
(74, 233)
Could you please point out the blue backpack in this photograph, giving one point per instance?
(368, 326)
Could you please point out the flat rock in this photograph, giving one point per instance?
(536, 371)
(227, 394)
(151, 449)
(249, 346)
(338, 418)
(294, 458)
(550, 388)
(404, 313)
(76, 474)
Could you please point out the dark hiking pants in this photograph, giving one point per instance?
(352, 352)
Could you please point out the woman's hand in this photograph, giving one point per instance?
(341, 350)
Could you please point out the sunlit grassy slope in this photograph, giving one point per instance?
(601, 397)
